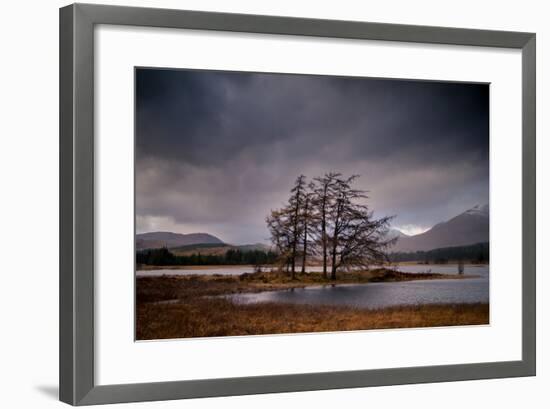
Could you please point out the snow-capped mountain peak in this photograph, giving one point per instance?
(479, 210)
(469, 227)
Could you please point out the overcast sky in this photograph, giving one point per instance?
(215, 151)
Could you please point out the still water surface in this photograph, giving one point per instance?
(371, 295)
(377, 295)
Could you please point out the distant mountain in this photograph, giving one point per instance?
(170, 240)
(469, 227)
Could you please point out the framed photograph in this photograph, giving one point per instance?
(258, 204)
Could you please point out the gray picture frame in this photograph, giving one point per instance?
(76, 281)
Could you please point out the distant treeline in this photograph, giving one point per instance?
(163, 257)
(476, 253)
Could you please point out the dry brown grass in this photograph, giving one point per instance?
(220, 317)
(197, 313)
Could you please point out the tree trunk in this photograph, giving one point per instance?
(333, 269)
(325, 255)
(295, 235)
(335, 240)
(293, 263)
(324, 232)
(293, 255)
(305, 235)
(304, 255)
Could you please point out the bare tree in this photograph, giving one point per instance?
(296, 201)
(356, 239)
(329, 214)
(308, 219)
(363, 240)
(322, 201)
(279, 225)
(286, 225)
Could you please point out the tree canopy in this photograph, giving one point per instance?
(328, 218)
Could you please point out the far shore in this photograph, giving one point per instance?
(144, 267)
(450, 263)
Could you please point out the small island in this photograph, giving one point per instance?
(196, 305)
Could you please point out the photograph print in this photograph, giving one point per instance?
(274, 203)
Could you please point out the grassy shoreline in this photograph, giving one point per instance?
(171, 287)
(195, 311)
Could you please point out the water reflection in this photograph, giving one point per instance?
(377, 295)
(371, 295)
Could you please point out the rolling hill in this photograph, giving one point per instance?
(171, 240)
(193, 243)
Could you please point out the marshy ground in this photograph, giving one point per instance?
(190, 306)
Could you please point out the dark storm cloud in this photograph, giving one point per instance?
(216, 150)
